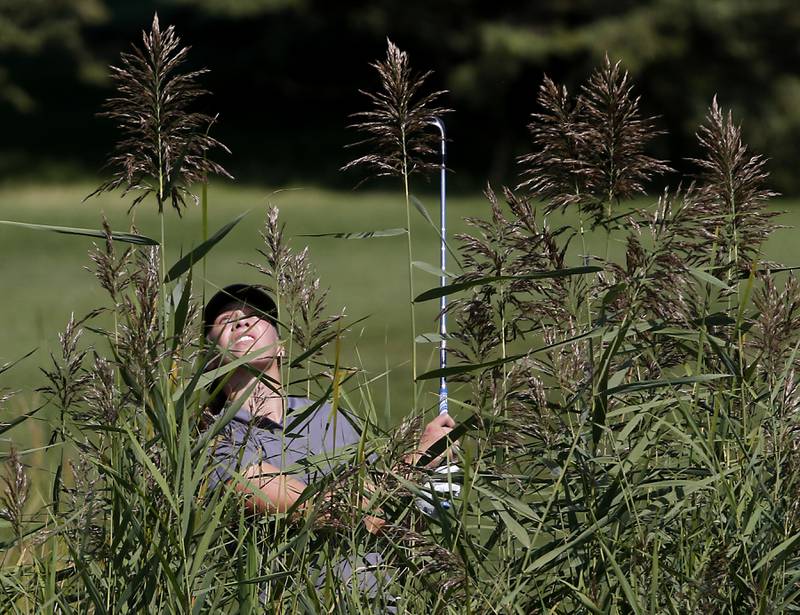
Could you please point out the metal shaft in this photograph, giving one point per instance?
(442, 263)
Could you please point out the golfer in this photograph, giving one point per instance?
(256, 445)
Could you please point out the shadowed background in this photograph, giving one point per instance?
(285, 74)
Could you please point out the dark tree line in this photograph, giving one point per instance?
(286, 72)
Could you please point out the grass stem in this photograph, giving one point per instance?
(412, 316)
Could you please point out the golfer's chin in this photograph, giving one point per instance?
(262, 365)
(240, 349)
(262, 358)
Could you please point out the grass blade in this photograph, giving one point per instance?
(781, 552)
(196, 255)
(432, 338)
(7, 366)
(704, 276)
(418, 205)
(389, 232)
(433, 270)
(471, 367)
(435, 293)
(644, 385)
(85, 232)
(4, 427)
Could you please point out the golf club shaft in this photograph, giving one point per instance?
(442, 263)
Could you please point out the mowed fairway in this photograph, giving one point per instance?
(44, 278)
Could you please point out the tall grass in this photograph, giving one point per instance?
(629, 427)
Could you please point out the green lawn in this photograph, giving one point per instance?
(44, 280)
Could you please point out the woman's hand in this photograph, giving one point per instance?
(434, 431)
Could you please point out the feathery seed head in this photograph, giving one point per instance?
(15, 492)
(164, 146)
(731, 183)
(398, 126)
(589, 152)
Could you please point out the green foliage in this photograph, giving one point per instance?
(245, 8)
(124, 237)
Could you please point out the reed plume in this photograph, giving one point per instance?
(398, 131)
(731, 182)
(302, 300)
(111, 270)
(15, 493)
(589, 151)
(67, 379)
(164, 147)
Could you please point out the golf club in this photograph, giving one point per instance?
(445, 488)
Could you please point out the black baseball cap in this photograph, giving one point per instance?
(247, 294)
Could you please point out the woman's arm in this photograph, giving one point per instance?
(271, 491)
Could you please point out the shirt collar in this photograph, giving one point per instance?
(244, 415)
(264, 422)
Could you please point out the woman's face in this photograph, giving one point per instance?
(239, 330)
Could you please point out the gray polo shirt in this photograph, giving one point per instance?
(308, 443)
